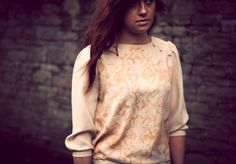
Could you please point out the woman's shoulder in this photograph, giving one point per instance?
(84, 53)
(164, 45)
(85, 50)
(82, 57)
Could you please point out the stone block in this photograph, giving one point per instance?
(50, 9)
(194, 81)
(52, 20)
(197, 108)
(193, 144)
(64, 54)
(190, 96)
(9, 77)
(66, 92)
(47, 90)
(6, 88)
(36, 54)
(228, 157)
(198, 123)
(198, 30)
(56, 52)
(188, 57)
(16, 55)
(176, 32)
(8, 44)
(72, 7)
(167, 30)
(42, 76)
(196, 158)
(28, 33)
(186, 68)
(157, 30)
(215, 43)
(215, 145)
(223, 60)
(210, 71)
(228, 26)
(218, 92)
(32, 100)
(183, 7)
(180, 20)
(13, 32)
(206, 20)
(62, 81)
(51, 68)
(179, 31)
(226, 8)
(46, 33)
(67, 36)
(219, 82)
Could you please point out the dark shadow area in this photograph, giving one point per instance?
(17, 153)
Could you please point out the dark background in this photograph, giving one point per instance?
(39, 41)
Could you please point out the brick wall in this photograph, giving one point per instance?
(38, 45)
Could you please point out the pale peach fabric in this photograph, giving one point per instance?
(135, 105)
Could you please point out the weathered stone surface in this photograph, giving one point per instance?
(181, 20)
(187, 68)
(64, 81)
(206, 20)
(179, 31)
(193, 81)
(195, 158)
(67, 36)
(188, 58)
(42, 76)
(157, 30)
(51, 20)
(228, 26)
(183, 7)
(46, 33)
(72, 7)
(197, 108)
(36, 54)
(228, 158)
(16, 55)
(175, 30)
(50, 10)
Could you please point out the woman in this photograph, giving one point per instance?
(127, 94)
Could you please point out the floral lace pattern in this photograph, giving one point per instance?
(133, 105)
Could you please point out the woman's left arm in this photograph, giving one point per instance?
(178, 116)
(177, 149)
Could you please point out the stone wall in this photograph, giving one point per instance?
(38, 48)
(40, 40)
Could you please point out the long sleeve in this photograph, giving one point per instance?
(178, 114)
(83, 109)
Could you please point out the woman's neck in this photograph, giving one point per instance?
(125, 38)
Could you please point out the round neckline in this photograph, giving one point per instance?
(135, 45)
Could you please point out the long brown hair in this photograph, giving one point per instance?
(104, 30)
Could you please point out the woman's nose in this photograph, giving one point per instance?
(142, 9)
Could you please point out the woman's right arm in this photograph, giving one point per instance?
(83, 160)
(83, 111)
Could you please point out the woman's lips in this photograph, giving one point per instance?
(142, 22)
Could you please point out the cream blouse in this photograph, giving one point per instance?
(135, 105)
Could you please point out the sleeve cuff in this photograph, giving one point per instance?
(85, 153)
(178, 133)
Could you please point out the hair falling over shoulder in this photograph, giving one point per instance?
(104, 29)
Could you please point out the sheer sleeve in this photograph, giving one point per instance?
(83, 108)
(178, 114)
